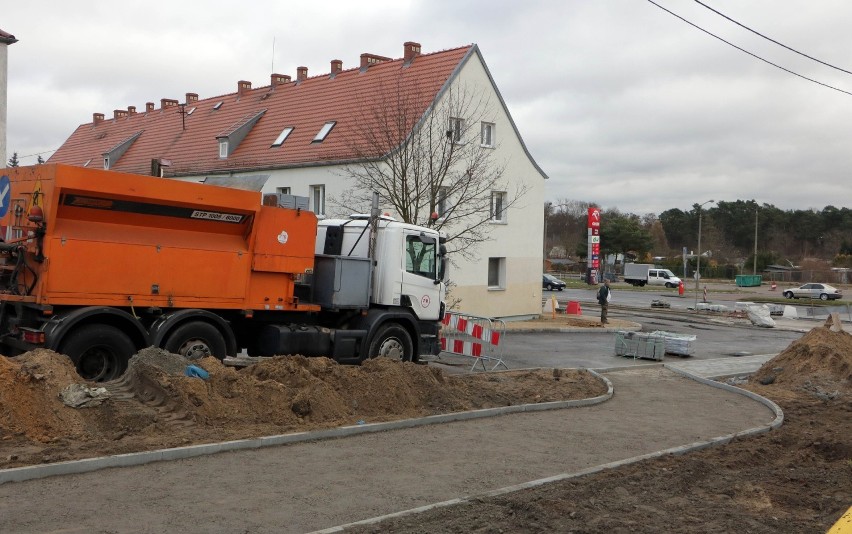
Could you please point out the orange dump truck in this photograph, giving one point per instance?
(98, 265)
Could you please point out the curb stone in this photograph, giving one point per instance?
(676, 451)
(20, 474)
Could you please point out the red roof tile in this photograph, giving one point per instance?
(349, 97)
(7, 38)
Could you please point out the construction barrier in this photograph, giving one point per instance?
(477, 337)
(573, 308)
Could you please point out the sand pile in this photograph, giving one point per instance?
(819, 362)
(155, 405)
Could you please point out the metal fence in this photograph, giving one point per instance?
(476, 337)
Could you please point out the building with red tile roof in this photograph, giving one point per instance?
(5, 40)
(299, 135)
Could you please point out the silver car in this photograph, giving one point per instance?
(813, 291)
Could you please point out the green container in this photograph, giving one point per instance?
(749, 280)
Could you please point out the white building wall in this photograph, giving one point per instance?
(519, 240)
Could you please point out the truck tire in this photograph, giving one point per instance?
(642, 283)
(195, 340)
(100, 352)
(392, 341)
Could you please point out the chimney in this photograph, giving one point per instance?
(131, 110)
(119, 113)
(410, 51)
(191, 98)
(97, 118)
(243, 87)
(301, 74)
(149, 107)
(167, 103)
(371, 59)
(278, 79)
(336, 66)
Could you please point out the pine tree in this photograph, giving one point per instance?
(13, 161)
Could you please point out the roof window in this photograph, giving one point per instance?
(282, 137)
(218, 104)
(324, 131)
(191, 111)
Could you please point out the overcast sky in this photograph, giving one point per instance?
(618, 101)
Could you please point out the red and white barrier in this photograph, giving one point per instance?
(477, 337)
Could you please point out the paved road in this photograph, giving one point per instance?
(309, 486)
(594, 349)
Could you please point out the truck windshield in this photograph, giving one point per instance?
(420, 257)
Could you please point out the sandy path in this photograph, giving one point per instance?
(310, 486)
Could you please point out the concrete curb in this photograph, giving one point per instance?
(676, 451)
(20, 474)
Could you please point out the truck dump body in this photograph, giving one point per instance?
(116, 240)
(98, 265)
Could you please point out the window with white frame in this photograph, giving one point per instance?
(456, 129)
(496, 273)
(442, 204)
(223, 148)
(498, 206)
(324, 131)
(282, 137)
(487, 140)
(318, 200)
(283, 191)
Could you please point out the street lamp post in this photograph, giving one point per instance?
(698, 257)
(754, 268)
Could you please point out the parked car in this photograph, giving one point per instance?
(550, 282)
(813, 291)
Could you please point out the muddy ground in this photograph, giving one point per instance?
(155, 405)
(795, 479)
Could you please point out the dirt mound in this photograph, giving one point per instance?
(29, 393)
(156, 405)
(819, 362)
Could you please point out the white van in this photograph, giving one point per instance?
(662, 277)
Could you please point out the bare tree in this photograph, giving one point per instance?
(426, 160)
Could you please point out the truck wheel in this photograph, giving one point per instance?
(642, 283)
(392, 341)
(195, 340)
(100, 352)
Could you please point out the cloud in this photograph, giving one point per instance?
(619, 102)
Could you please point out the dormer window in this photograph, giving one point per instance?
(282, 137)
(223, 148)
(324, 131)
(106, 163)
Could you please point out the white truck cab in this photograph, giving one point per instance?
(639, 274)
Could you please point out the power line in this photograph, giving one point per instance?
(770, 39)
(747, 52)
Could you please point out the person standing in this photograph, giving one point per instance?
(604, 296)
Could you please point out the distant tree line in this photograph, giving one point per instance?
(728, 245)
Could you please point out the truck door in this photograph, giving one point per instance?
(420, 275)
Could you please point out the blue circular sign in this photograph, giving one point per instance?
(5, 195)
